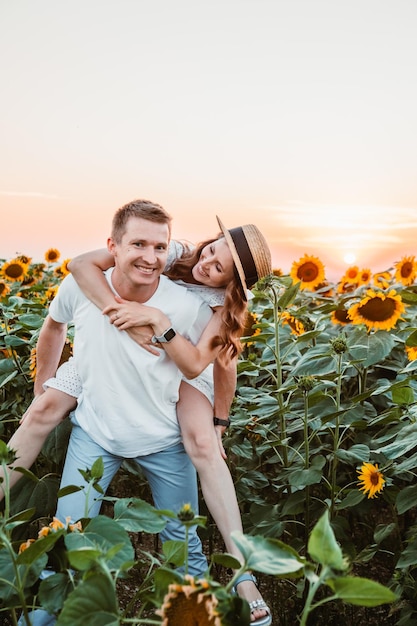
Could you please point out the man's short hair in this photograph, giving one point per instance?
(144, 209)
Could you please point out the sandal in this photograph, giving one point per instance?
(266, 620)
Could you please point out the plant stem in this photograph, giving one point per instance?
(336, 436)
(278, 367)
(306, 466)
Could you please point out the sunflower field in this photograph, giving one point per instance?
(322, 448)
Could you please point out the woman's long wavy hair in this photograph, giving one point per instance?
(234, 310)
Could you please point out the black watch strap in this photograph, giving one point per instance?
(219, 422)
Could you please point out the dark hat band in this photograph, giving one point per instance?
(245, 255)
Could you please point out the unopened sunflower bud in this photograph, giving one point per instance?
(339, 345)
(306, 383)
(186, 513)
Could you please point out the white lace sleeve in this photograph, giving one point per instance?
(213, 297)
(175, 251)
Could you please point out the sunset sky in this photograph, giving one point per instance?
(297, 115)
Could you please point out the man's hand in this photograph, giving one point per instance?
(220, 430)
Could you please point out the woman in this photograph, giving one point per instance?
(220, 271)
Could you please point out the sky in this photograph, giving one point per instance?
(296, 115)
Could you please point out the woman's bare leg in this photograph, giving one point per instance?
(195, 416)
(43, 415)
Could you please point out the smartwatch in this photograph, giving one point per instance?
(165, 337)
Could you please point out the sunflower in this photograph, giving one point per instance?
(4, 289)
(309, 270)
(345, 286)
(25, 259)
(411, 352)
(324, 289)
(249, 331)
(340, 316)
(189, 605)
(351, 275)
(32, 363)
(66, 352)
(377, 310)
(52, 255)
(297, 327)
(14, 270)
(372, 479)
(64, 267)
(406, 270)
(51, 292)
(382, 279)
(28, 280)
(365, 276)
(25, 545)
(277, 272)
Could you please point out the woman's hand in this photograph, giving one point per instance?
(142, 336)
(125, 314)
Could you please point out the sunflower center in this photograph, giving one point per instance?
(378, 310)
(14, 270)
(308, 271)
(374, 478)
(406, 269)
(342, 316)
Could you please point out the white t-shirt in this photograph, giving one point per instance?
(128, 403)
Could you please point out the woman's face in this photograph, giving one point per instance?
(215, 265)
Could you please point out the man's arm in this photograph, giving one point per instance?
(48, 351)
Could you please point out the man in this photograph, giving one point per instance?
(127, 408)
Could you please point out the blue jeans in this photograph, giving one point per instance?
(170, 474)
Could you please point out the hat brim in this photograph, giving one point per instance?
(235, 257)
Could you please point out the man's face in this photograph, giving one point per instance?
(141, 255)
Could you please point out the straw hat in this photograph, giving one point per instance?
(250, 252)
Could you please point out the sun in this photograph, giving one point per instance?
(349, 258)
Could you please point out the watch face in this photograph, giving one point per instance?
(170, 334)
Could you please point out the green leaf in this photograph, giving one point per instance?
(97, 468)
(411, 340)
(383, 531)
(12, 341)
(174, 552)
(361, 591)
(269, 556)
(225, 560)
(352, 499)
(302, 477)
(136, 515)
(54, 590)
(31, 320)
(84, 558)
(93, 602)
(288, 296)
(405, 441)
(323, 547)
(406, 499)
(380, 345)
(403, 395)
(103, 533)
(65, 491)
(407, 559)
(358, 452)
